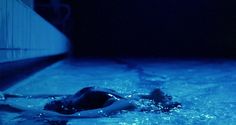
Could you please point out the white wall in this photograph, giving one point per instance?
(24, 34)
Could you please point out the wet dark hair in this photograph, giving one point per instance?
(161, 100)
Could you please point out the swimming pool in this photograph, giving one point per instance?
(206, 89)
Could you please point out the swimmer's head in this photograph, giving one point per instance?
(158, 96)
(163, 100)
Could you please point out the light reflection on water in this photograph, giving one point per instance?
(206, 90)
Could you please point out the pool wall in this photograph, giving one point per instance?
(24, 34)
(27, 42)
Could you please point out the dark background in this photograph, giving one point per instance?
(143, 28)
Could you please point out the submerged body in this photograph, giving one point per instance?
(90, 98)
(91, 102)
(86, 99)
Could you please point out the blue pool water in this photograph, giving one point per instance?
(206, 89)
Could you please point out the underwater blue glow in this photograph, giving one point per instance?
(24, 34)
(205, 88)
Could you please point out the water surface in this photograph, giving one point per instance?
(206, 89)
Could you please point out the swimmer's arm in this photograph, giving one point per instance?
(7, 107)
(101, 112)
(30, 112)
(5, 96)
(95, 113)
(4, 107)
(109, 110)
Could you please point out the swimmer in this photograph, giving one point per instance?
(92, 102)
